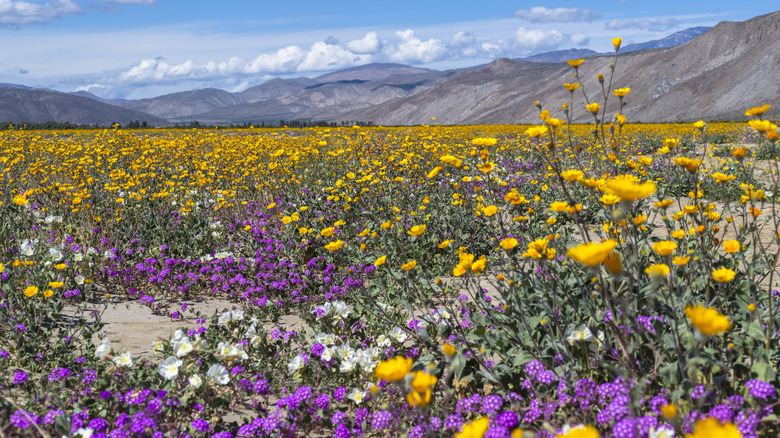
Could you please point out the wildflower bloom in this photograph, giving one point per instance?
(334, 246)
(722, 177)
(762, 125)
(616, 43)
(571, 87)
(572, 175)
(508, 243)
(712, 428)
(394, 369)
(757, 111)
(380, 261)
(609, 199)
(537, 249)
(664, 247)
(628, 190)
(681, 261)
(536, 131)
(490, 210)
(169, 368)
(416, 230)
(20, 199)
(435, 171)
(448, 349)
(580, 334)
(418, 399)
(614, 263)
(30, 291)
(621, 92)
(592, 254)
(474, 429)
(575, 62)
(669, 410)
(657, 271)
(581, 431)
(593, 107)
(708, 321)
(484, 141)
(723, 275)
(479, 266)
(408, 266)
(732, 246)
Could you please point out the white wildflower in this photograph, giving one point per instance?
(123, 360)
(580, 334)
(296, 364)
(169, 368)
(103, 349)
(219, 374)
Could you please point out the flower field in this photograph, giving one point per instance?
(553, 280)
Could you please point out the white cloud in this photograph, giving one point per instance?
(579, 39)
(414, 50)
(536, 39)
(92, 88)
(284, 60)
(656, 25)
(462, 39)
(368, 44)
(17, 13)
(323, 57)
(541, 14)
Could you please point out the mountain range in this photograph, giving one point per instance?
(698, 73)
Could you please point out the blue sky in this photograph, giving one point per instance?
(142, 48)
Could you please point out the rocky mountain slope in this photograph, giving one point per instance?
(733, 66)
(38, 106)
(713, 76)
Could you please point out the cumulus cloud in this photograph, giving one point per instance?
(541, 14)
(537, 39)
(368, 44)
(323, 56)
(14, 14)
(413, 49)
(579, 39)
(328, 55)
(656, 25)
(462, 39)
(284, 60)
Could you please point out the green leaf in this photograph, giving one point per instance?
(763, 371)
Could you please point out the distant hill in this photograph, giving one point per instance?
(372, 72)
(184, 104)
(672, 40)
(692, 74)
(7, 85)
(323, 97)
(716, 76)
(561, 55)
(38, 106)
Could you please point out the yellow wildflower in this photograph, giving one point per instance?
(712, 428)
(508, 243)
(416, 230)
(394, 369)
(757, 111)
(707, 320)
(723, 275)
(592, 254)
(408, 266)
(334, 246)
